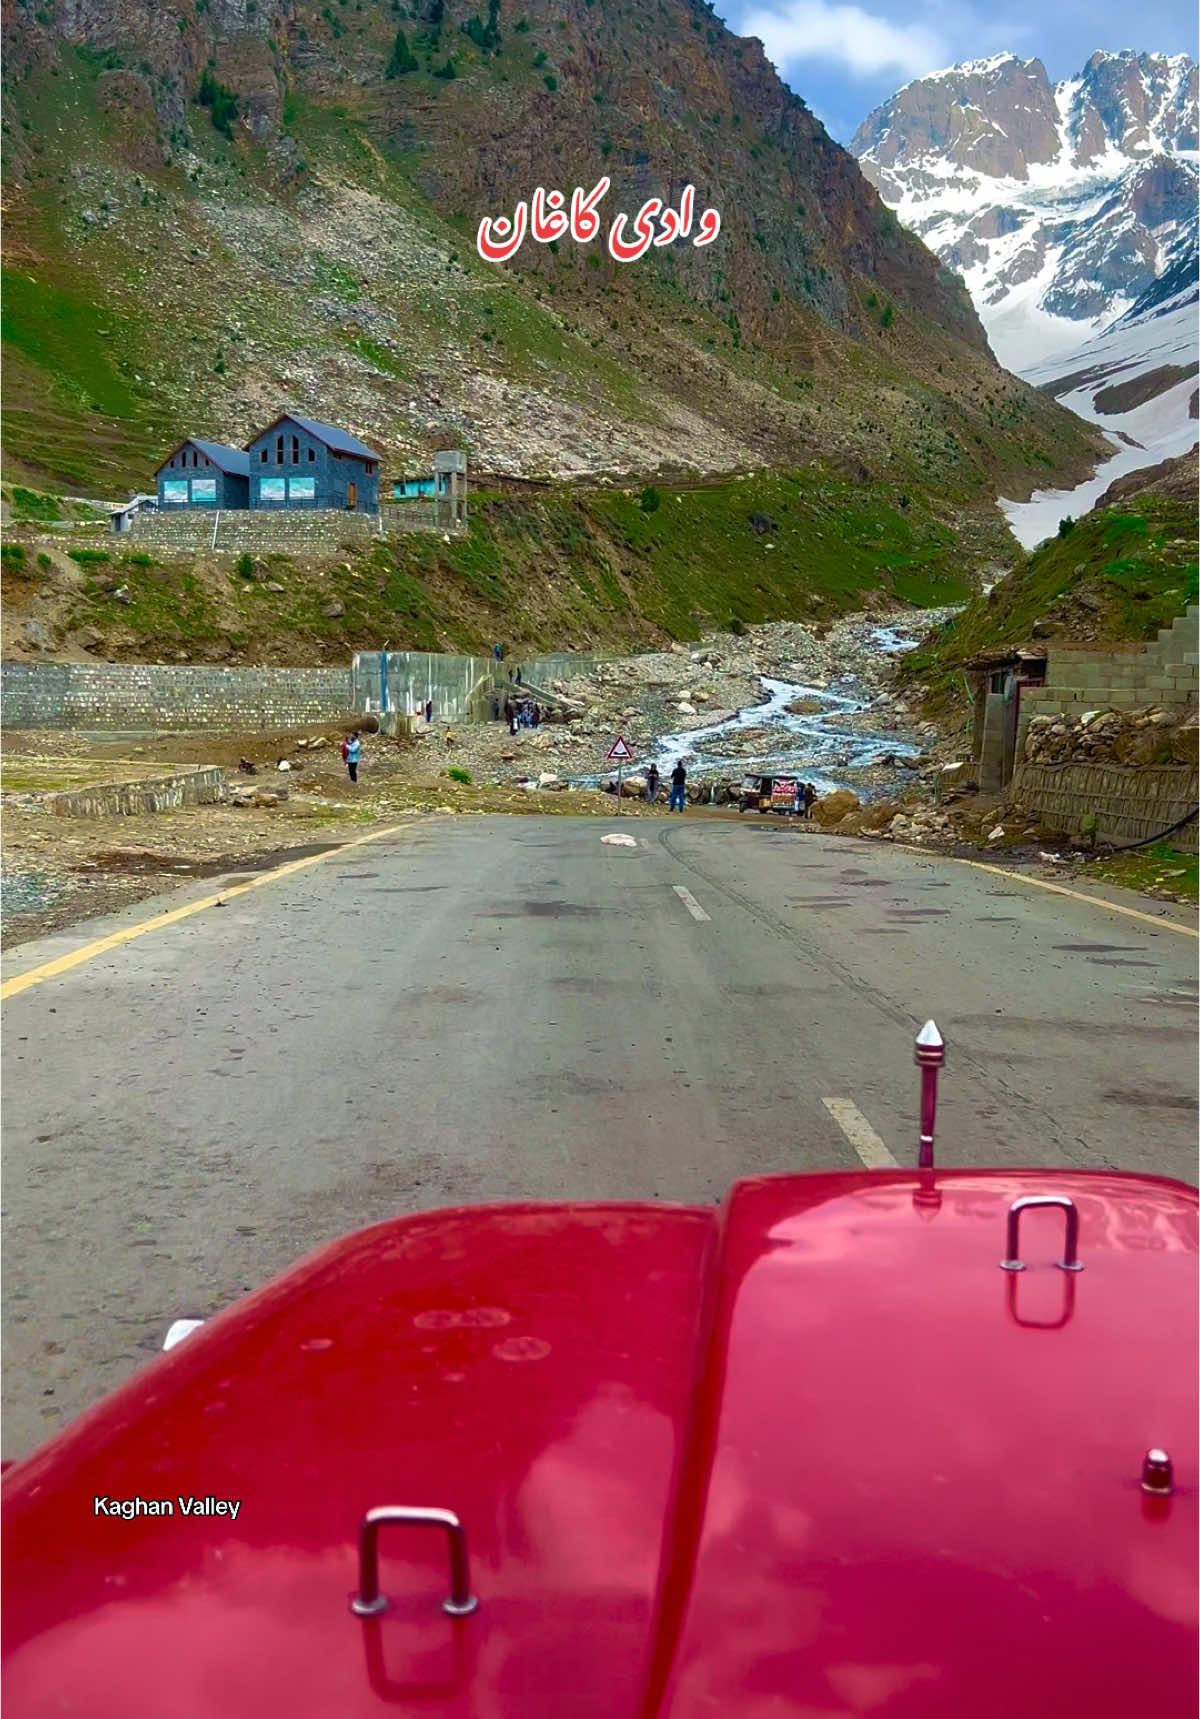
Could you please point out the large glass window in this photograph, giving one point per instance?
(302, 489)
(272, 489)
(204, 490)
(175, 492)
(295, 450)
(279, 450)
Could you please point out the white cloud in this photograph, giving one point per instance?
(864, 44)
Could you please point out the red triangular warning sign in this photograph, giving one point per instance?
(619, 751)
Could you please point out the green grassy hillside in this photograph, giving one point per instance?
(1115, 576)
(578, 564)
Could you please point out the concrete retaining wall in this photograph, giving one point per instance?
(204, 787)
(458, 686)
(155, 696)
(559, 665)
(1128, 802)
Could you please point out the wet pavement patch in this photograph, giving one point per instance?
(427, 994)
(917, 912)
(995, 919)
(405, 888)
(1099, 948)
(1163, 1101)
(1116, 961)
(535, 909)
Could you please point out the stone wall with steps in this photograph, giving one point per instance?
(264, 531)
(251, 531)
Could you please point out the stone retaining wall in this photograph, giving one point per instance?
(1129, 802)
(204, 787)
(1165, 673)
(155, 696)
(318, 531)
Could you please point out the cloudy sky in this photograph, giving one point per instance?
(844, 59)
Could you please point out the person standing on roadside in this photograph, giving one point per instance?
(810, 795)
(652, 781)
(353, 755)
(429, 710)
(678, 781)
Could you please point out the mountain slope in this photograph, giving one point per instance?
(217, 208)
(1117, 575)
(1070, 212)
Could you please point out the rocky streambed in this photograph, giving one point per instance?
(780, 698)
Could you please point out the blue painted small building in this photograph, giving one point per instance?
(408, 488)
(297, 462)
(204, 474)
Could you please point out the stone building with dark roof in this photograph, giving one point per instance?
(204, 474)
(298, 462)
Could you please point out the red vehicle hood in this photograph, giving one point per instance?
(812, 1454)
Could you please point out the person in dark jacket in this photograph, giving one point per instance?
(429, 710)
(652, 781)
(678, 782)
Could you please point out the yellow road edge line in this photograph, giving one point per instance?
(1075, 894)
(88, 952)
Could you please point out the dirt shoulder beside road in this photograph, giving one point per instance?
(59, 870)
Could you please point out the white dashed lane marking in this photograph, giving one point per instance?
(859, 1133)
(690, 902)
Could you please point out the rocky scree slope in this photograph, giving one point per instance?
(216, 209)
(1070, 212)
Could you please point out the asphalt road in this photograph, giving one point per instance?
(509, 1008)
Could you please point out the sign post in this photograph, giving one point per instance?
(619, 753)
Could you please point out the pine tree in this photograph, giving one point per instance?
(402, 60)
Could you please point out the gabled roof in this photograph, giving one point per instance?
(327, 433)
(234, 460)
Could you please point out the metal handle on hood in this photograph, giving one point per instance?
(369, 1602)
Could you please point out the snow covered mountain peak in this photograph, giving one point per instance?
(1070, 211)
(1001, 118)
